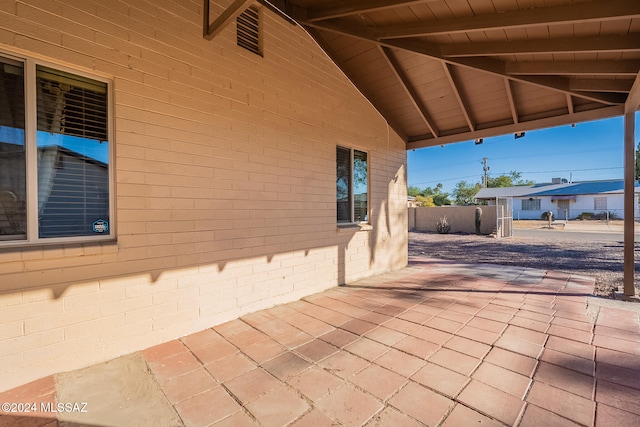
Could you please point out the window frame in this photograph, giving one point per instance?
(528, 204)
(351, 220)
(32, 238)
(598, 201)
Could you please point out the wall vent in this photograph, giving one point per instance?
(248, 30)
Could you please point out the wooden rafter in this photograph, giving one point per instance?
(406, 85)
(327, 49)
(512, 103)
(601, 85)
(616, 43)
(574, 68)
(489, 65)
(210, 30)
(562, 14)
(456, 90)
(570, 103)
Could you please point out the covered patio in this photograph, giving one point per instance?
(223, 160)
(446, 71)
(437, 343)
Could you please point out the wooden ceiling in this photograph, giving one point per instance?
(443, 71)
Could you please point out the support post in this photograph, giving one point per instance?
(629, 208)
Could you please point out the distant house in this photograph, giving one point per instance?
(565, 200)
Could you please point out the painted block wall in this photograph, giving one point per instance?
(582, 203)
(225, 183)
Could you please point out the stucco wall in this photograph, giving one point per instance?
(582, 203)
(462, 219)
(225, 183)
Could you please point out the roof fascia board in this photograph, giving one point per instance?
(583, 116)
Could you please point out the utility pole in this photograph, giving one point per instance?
(485, 168)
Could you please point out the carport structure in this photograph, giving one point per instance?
(444, 71)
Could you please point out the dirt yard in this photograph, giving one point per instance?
(602, 260)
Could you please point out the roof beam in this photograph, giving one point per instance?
(633, 100)
(570, 105)
(583, 116)
(340, 8)
(563, 14)
(432, 50)
(413, 96)
(617, 43)
(326, 48)
(456, 90)
(211, 30)
(512, 103)
(574, 68)
(601, 85)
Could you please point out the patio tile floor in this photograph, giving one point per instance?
(437, 343)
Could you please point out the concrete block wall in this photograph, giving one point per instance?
(225, 183)
(462, 219)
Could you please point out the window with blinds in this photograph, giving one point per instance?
(530, 204)
(352, 185)
(68, 159)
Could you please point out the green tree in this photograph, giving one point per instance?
(511, 179)
(464, 192)
(414, 191)
(436, 196)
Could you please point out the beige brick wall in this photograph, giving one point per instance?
(225, 183)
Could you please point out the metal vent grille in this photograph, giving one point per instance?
(248, 30)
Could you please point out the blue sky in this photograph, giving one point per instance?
(589, 151)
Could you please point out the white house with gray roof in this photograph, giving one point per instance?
(565, 200)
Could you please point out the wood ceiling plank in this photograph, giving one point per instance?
(413, 96)
(485, 18)
(338, 9)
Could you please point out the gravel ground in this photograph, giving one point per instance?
(602, 260)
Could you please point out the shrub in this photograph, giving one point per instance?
(585, 215)
(443, 227)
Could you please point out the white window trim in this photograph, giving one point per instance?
(31, 154)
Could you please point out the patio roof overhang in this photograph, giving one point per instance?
(445, 71)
